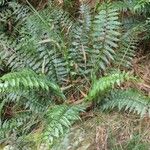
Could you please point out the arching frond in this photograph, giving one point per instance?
(130, 100)
(25, 80)
(105, 84)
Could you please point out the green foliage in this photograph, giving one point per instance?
(15, 90)
(58, 119)
(136, 143)
(105, 84)
(130, 100)
(134, 6)
(142, 4)
(62, 47)
(42, 51)
(19, 89)
(105, 37)
(26, 79)
(127, 48)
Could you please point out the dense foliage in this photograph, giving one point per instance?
(48, 55)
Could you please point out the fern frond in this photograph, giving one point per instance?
(26, 80)
(126, 52)
(105, 37)
(79, 50)
(38, 45)
(105, 84)
(29, 100)
(14, 125)
(12, 15)
(134, 6)
(128, 47)
(58, 119)
(121, 5)
(50, 53)
(142, 6)
(128, 100)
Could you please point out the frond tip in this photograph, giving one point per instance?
(130, 100)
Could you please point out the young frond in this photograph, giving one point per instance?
(105, 84)
(130, 100)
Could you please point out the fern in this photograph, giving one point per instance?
(19, 89)
(57, 49)
(58, 119)
(11, 128)
(79, 50)
(26, 79)
(102, 86)
(127, 49)
(54, 123)
(105, 37)
(30, 50)
(134, 6)
(142, 5)
(18, 84)
(130, 100)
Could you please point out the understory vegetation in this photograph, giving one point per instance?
(60, 59)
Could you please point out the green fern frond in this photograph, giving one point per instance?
(105, 84)
(134, 6)
(79, 50)
(12, 16)
(58, 119)
(142, 6)
(29, 100)
(27, 80)
(128, 47)
(105, 37)
(11, 127)
(38, 45)
(128, 100)
(121, 5)
(49, 54)
(126, 51)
